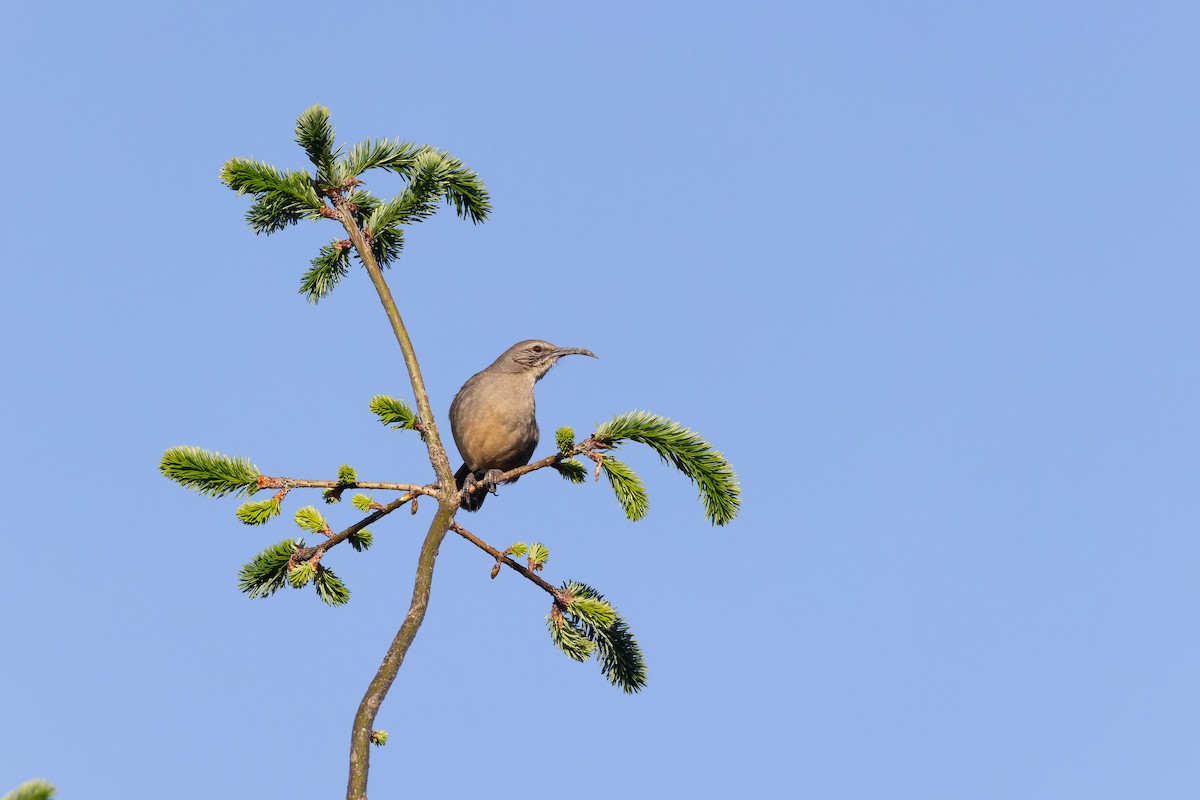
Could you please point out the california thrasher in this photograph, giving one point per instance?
(493, 416)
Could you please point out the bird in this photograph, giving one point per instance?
(493, 417)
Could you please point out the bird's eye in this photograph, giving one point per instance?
(537, 348)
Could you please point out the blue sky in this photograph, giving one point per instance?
(925, 273)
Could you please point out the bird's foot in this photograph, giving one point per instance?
(491, 479)
(488, 483)
(474, 489)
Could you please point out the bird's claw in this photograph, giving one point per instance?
(488, 483)
(491, 480)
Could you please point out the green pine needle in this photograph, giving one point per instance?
(284, 198)
(330, 266)
(539, 554)
(310, 519)
(404, 209)
(596, 613)
(439, 174)
(572, 470)
(330, 587)
(362, 502)
(621, 659)
(258, 512)
(247, 176)
(396, 413)
(364, 204)
(280, 198)
(590, 625)
(568, 638)
(564, 437)
(379, 738)
(302, 575)
(627, 486)
(687, 452)
(519, 549)
(362, 540)
(392, 155)
(386, 245)
(266, 573)
(315, 134)
(620, 656)
(209, 473)
(273, 212)
(347, 477)
(36, 789)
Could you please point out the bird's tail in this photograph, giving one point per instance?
(470, 501)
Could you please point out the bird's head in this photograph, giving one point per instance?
(536, 357)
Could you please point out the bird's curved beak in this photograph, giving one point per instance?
(559, 352)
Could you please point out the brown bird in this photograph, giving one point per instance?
(493, 416)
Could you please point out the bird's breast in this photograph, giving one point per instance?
(494, 423)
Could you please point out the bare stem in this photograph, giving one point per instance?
(268, 482)
(364, 720)
(554, 591)
(586, 447)
(307, 553)
(437, 453)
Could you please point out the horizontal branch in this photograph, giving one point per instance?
(554, 591)
(583, 448)
(267, 482)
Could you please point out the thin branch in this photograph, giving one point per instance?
(368, 708)
(587, 447)
(548, 461)
(307, 553)
(500, 557)
(266, 482)
(364, 719)
(437, 452)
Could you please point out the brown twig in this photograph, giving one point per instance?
(502, 558)
(584, 448)
(437, 453)
(268, 482)
(307, 553)
(447, 497)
